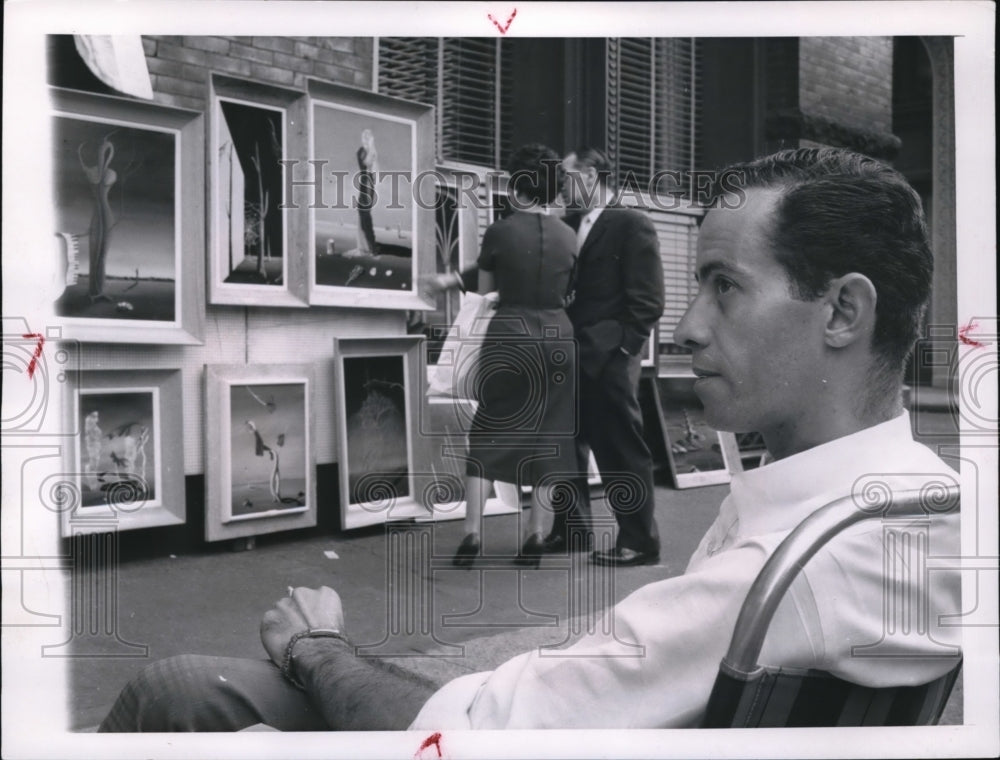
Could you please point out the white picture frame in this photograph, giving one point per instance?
(126, 463)
(260, 470)
(243, 180)
(379, 390)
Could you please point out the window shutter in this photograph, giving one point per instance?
(407, 68)
(678, 235)
(652, 106)
(459, 76)
(469, 105)
(630, 109)
(676, 74)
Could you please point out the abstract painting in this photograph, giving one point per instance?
(372, 205)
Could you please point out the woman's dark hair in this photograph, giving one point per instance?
(842, 212)
(534, 172)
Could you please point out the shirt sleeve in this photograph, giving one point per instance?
(651, 663)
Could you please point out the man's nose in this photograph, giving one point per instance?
(691, 331)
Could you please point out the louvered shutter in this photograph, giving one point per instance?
(630, 110)
(469, 106)
(652, 106)
(461, 77)
(677, 115)
(407, 68)
(678, 234)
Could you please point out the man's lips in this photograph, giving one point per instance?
(702, 373)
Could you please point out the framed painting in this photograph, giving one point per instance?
(257, 237)
(698, 454)
(127, 459)
(378, 392)
(128, 179)
(371, 195)
(260, 473)
(457, 202)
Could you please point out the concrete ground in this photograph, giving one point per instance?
(402, 598)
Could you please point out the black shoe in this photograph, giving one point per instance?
(622, 556)
(467, 551)
(557, 543)
(531, 551)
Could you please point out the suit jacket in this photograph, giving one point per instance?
(618, 283)
(619, 286)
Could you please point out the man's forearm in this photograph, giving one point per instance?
(358, 694)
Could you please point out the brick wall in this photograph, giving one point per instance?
(179, 66)
(847, 80)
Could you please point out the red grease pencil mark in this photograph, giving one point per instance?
(963, 336)
(432, 740)
(503, 29)
(38, 352)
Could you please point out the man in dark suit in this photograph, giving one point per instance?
(618, 300)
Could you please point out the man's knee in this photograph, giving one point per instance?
(167, 695)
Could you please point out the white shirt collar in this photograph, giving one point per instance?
(779, 495)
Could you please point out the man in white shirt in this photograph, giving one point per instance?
(814, 272)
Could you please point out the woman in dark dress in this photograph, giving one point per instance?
(523, 430)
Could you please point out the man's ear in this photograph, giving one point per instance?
(851, 300)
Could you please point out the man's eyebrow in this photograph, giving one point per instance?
(705, 270)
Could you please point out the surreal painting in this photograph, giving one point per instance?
(371, 196)
(364, 231)
(118, 457)
(249, 218)
(268, 446)
(695, 450)
(115, 187)
(375, 404)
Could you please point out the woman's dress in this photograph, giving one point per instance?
(526, 419)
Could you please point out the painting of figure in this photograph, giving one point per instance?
(268, 444)
(375, 403)
(116, 213)
(248, 202)
(118, 457)
(364, 230)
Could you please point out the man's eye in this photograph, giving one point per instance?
(722, 285)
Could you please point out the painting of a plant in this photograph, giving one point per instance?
(248, 206)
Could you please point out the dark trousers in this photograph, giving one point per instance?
(201, 693)
(611, 426)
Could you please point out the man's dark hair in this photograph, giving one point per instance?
(534, 172)
(597, 159)
(842, 212)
